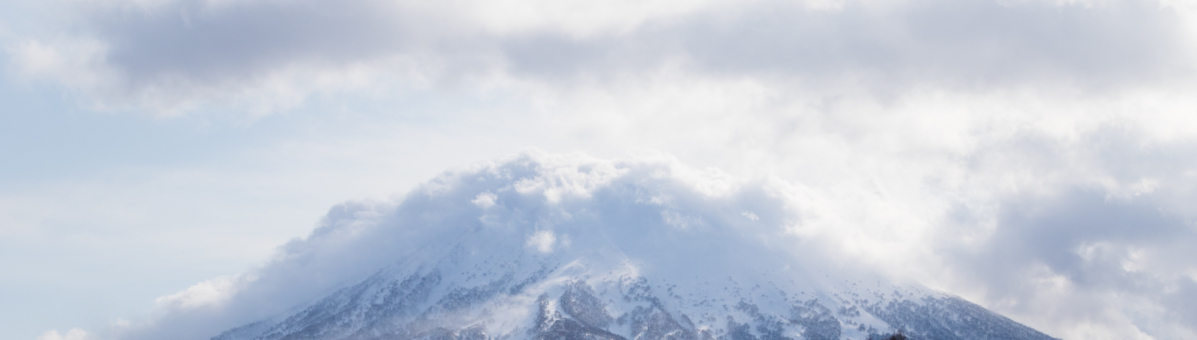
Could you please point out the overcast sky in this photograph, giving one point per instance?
(1038, 157)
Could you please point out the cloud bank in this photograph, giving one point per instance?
(1032, 156)
(170, 57)
(551, 202)
(1086, 262)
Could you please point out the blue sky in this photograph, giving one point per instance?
(147, 146)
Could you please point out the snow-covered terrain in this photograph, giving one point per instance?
(551, 247)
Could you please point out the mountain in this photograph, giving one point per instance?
(548, 247)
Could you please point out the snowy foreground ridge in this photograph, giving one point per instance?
(550, 247)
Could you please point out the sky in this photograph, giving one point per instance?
(1034, 157)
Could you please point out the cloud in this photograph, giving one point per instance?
(177, 56)
(1080, 252)
(1076, 258)
(543, 201)
(543, 241)
(207, 293)
(1033, 156)
(1049, 228)
(73, 334)
(485, 200)
(1083, 234)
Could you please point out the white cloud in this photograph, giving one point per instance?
(357, 239)
(73, 334)
(750, 216)
(543, 241)
(484, 200)
(268, 56)
(1060, 257)
(210, 293)
(926, 136)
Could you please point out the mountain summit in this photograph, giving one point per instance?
(550, 247)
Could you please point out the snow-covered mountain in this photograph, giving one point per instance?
(546, 247)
